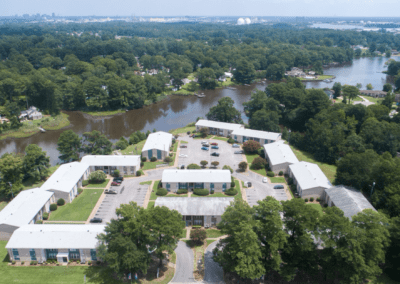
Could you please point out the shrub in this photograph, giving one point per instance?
(196, 226)
(173, 140)
(258, 163)
(153, 159)
(201, 191)
(39, 222)
(22, 262)
(78, 261)
(306, 199)
(80, 190)
(161, 192)
(168, 159)
(325, 205)
(203, 163)
(251, 146)
(85, 183)
(198, 235)
(139, 173)
(231, 191)
(204, 132)
(97, 177)
(45, 216)
(227, 168)
(242, 166)
(89, 262)
(171, 154)
(182, 191)
(121, 144)
(116, 173)
(270, 174)
(214, 164)
(35, 262)
(171, 148)
(31, 263)
(13, 262)
(193, 167)
(290, 181)
(194, 131)
(231, 141)
(60, 202)
(318, 199)
(312, 199)
(53, 207)
(232, 182)
(261, 152)
(144, 159)
(212, 191)
(281, 173)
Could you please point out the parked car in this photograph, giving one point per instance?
(120, 179)
(265, 180)
(96, 220)
(204, 148)
(239, 152)
(183, 156)
(247, 184)
(111, 191)
(214, 147)
(206, 145)
(235, 146)
(214, 143)
(279, 186)
(215, 154)
(116, 183)
(204, 142)
(183, 146)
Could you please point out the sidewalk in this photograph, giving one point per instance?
(148, 194)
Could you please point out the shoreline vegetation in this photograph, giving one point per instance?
(31, 127)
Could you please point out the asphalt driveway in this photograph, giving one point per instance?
(184, 264)
(213, 271)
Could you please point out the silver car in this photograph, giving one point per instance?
(239, 152)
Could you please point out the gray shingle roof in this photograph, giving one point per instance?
(351, 201)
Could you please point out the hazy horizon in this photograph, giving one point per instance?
(231, 8)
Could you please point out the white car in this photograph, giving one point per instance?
(265, 180)
(183, 156)
(247, 184)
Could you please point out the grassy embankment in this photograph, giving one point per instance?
(319, 78)
(105, 113)
(31, 127)
(98, 185)
(80, 208)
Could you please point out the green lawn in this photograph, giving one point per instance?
(183, 233)
(213, 233)
(38, 275)
(210, 242)
(374, 100)
(327, 169)
(176, 195)
(320, 77)
(278, 180)
(30, 183)
(135, 149)
(151, 165)
(199, 137)
(79, 209)
(250, 158)
(104, 113)
(150, 204)
(176, 146)
(145, 182)
(220, 138)
(153, 196)
(216, 194)
(182, 130)
(98, 185)
(316, 206)
(262, 172)
(184, 142)
(3, 204)
(156, 183)
(173, 258)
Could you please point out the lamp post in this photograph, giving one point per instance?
(372, 189)
(288, 140)
(12, 194)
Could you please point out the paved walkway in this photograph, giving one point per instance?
(213, 271)
(148, 194)
(184, 264)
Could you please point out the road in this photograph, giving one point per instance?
(213, 271)
(184, 264)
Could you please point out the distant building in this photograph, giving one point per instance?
(295, 72)
(218, 128)
(217, 180)
(157, 145)
(200, 211)
(241, 135)
(58, 242)
(126, 164)
(31, 113)
(374, 94)
(349, 200)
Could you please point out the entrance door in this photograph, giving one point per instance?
(150, 153)
(159, 154)
(65, 259)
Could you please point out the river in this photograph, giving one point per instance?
(178, 111)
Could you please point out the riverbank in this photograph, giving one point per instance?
(31, 127)
(319, 78)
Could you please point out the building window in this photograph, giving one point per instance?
(93, 254)
(168, 186)
(51, 253)
(199, 185)
(224, 186)
(15, 254)
(182, 185)
(211, 186)
(74, 254)
(32, 252)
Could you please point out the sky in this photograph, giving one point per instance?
(311, 8)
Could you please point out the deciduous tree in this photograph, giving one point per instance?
(69, 145)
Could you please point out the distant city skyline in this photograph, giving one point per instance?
(159, 8)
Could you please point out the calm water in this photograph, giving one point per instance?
(178, 111)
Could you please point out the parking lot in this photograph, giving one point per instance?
(195, 154)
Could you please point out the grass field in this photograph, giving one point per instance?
(278, 180)
(176, 195)
(150, 204)
(317, 207)
(320, 77)
(79, 209)
(135, 149)
(98, 185)
(220, 138)
(176, 146)
(250, 158)
(212, 233)
(184, 142)
(104, 113)
(182, 130)
(153, 165)
(145, 182)
(155, 185)
(210, 242)
(153, 196)
(327, 169)
(199, 137)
